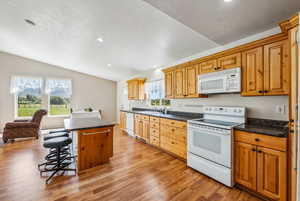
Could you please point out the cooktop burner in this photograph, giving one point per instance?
(215, 122)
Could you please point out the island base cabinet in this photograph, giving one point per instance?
(95, 147)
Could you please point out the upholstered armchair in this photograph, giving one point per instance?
(24, 128)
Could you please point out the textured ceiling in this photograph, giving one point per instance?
(226, 22)
(136, 35)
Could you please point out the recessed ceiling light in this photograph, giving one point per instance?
(100, 40)
(155, 66)
(227, 0)
(108, 64)
(30, 22)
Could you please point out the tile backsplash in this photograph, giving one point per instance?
(257, 107)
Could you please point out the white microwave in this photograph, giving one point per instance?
(226, 81)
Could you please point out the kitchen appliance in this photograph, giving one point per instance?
(210, 142)
(226, 81)
(130, 124)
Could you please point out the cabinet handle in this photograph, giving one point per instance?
(173, 130)
(266, 91)
(94, 133)
(253, 149)
(256, 139)
(292, 120)
(259, 151)
(260, 91)
(292, 131)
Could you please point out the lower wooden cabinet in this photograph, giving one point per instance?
(173, 138)
(261, 166)
(271, 173)
(142, 126)
(169, 135)
(245, 165)
(123, 118)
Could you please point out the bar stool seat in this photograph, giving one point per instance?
(55, 135)
(57, 142)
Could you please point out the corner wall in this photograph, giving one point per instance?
(88, 91)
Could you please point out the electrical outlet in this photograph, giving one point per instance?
(280, 109)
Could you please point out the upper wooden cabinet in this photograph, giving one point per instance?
(207, 66)
(276, 71)
(230, 61)
(169, 84)
(222, 63)
(265, 70)
(192, 81)
(252, 72)
(182, 82)
(136, 89)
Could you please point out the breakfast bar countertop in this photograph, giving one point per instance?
(75, 124)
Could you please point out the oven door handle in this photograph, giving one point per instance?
(207, 131)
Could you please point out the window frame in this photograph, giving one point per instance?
(16, 96)
(49, 95)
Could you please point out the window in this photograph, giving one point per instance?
(155, 90)
(60, 92)
(28, 95)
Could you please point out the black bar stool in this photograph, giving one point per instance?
(59, 161)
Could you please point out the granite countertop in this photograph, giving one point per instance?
(86, 123)
(175, 115)
(265, 126)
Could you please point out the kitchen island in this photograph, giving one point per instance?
(93, 141)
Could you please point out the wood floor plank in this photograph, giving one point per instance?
(136, 172)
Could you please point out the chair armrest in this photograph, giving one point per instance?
(22, 120)
(22, 125)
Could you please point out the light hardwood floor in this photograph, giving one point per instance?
(136, 172)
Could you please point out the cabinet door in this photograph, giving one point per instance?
(135, 89)
(137, 130)
(276, 78)
(179, 80)
(146, 130)
(245, 164)
(208, 66)
(130, 92)
(122, 120)
(271, 173)
(192, 81)
(230, 61)
(169, 84)
(253, 72)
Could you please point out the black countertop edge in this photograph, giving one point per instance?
(174, 115)
(265, 126)
(86, 128)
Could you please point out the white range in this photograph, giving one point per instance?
(210, 142)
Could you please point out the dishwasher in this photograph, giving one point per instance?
(130, 124)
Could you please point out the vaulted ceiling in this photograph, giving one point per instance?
(137, 35)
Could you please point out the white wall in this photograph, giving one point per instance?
(258, 107)
(88, 91)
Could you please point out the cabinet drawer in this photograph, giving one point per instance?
(177, 134)
(174, 123)
(137, 116)
(145, 117)
(154, 119)
(154, 140)
(276, 143)
(154, 125)
(154, 132)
